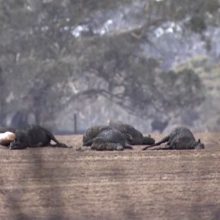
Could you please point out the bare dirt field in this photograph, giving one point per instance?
(53, 183)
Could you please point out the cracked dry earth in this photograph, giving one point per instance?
(47, 183)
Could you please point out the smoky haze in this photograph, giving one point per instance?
(68, 65)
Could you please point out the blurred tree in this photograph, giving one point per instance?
(40, 32)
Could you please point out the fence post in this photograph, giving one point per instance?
(75, 123)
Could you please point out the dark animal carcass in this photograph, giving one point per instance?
(110, 139)
(133, 136)
(92, 133)
(34, 136)
(180, 138)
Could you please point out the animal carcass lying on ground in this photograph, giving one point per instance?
(132, 135)
(110, 139)
(179, 139)
(34, 136)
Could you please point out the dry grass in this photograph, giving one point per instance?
(48, 183)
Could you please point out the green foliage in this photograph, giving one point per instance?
(197, 24)
(34, 45)
(181, 89)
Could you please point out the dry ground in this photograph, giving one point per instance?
(47, 183)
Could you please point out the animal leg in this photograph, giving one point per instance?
(166, 139)
(59, 145)
(52, 137)
(11, 147)
(162, 148)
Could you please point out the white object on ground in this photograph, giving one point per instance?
(7, 137)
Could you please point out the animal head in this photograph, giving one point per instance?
(199, 145)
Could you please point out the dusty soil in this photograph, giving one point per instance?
(53, 183)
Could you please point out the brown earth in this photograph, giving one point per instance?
(47, 183)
